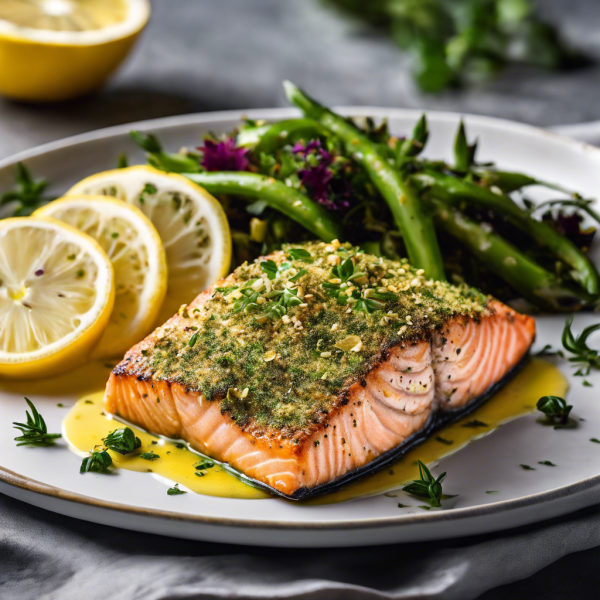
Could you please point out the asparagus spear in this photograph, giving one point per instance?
(453, 190)
(414, 223)
(277, 195)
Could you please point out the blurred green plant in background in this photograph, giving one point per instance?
(463, 42)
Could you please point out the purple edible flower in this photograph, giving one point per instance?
(223, 156)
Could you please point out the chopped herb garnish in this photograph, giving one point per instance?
(527, 468)
(555, 408)
(60, 405)
(586, 383)
(400, 505)
(595, 440)
(204, 463)
(180, 446)
(270, 268)
(149, 455)
(193, 340)
(492, 492)
(547, 463)
(96, 462)
(442, 440)
(122, 441)
(34, 431)
(474, 423)
(427, 486)
(175, 491)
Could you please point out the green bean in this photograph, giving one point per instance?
(277, 195)
(510, 181)
(454, 191)
(268, 138)
(414, 223)
(533, 282)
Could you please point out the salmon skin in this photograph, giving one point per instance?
(318, 364)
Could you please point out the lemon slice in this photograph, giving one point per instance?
(56, 296)
(191, 223)
(138, 258)
(57, 49)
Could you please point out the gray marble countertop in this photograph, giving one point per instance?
(203, 55)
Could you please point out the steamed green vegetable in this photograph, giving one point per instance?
(414, 223)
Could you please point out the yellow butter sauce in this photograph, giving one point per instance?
(86, 425)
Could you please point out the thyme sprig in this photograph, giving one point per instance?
(34, 431)
(27, 195)
(427, 486)
(585, 357)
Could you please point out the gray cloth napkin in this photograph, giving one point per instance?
(44, 556)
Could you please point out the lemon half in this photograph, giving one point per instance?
(191, 223)
(53, 50)
(56, 296)
(138, 258)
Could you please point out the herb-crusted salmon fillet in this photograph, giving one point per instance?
(317, 364)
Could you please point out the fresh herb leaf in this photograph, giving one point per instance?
(26, 196)
(587, 358)
(96, 462)
(192, 341)
(122, 441)
(527, 468)
(547, 350)
(300, 254)
(34, 431)
(149, 455)
(492, 492)
(175, 491)
(547, 463)
(204, 463)
(270, 268)
(595, 440)
(400, 505)
(555, 408)
(427, 486)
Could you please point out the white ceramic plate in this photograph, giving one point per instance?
(49, 478)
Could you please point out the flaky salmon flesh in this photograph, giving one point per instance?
(318, 364)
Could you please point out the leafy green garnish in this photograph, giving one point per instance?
(34, 431)
(300, 254)
(555, 408)
(149, 455)
(427, 486)
(587, 358)
(175, 491)
(96, 462)
(27, 194)
(204, 463)
(270, 268)
(527, 468)
(122, 441)
(546, 463)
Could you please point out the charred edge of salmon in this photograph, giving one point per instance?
(438, 420)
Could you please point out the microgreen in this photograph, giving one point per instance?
(427, 486)
(122, 441)
(555, 408)
(34, 431)
(300, 254)
(96, 462)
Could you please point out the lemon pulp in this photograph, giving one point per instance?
(63, 15)
(86, 425)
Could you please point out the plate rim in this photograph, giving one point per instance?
(19, 481)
